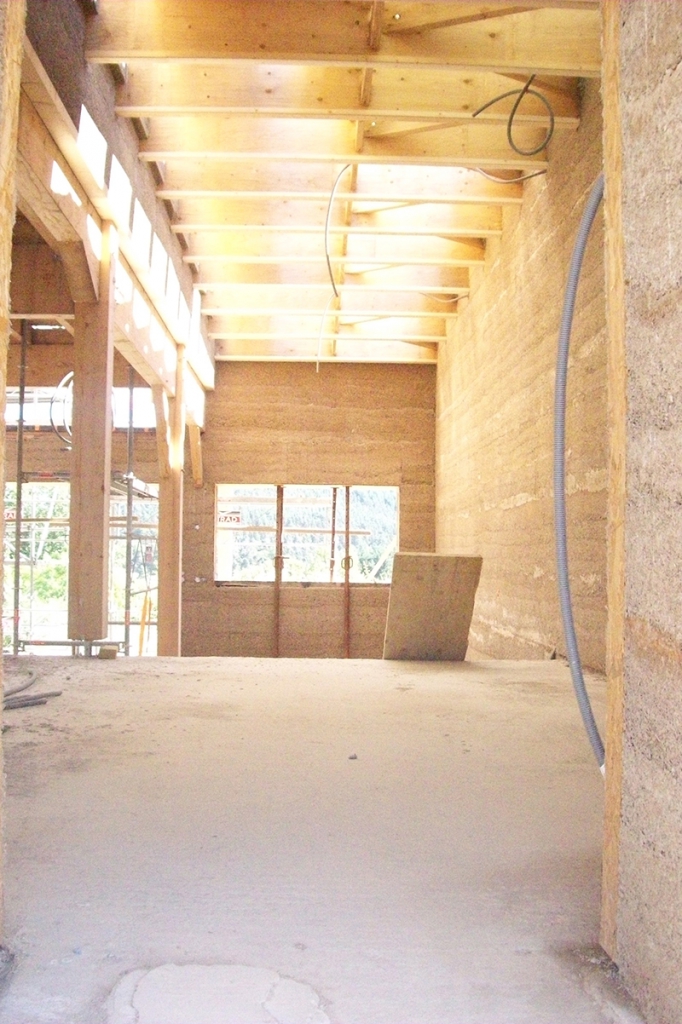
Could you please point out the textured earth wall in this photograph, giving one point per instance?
(495, 417)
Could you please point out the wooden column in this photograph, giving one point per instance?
(279, 565)
(615, 309)
(12, 17)
(93, 352)
(171, 488)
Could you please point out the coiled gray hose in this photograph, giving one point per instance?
(586, 222)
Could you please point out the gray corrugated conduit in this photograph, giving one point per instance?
(583, 699)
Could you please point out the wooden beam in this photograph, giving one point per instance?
(356, 297)
(170, 525)
(617, 403)
(140, 336)
(274, 90)
(12, 20)
(195, 450)
(51, 198)
(353, 264)
(162, 410)
(57, 127)
(217, 138)
(354, 336)
(437, 279)
(262, 299)
(407, 25)
(228, 320)
(562, 42)
(402, 184)
(91, 456)
(230, 220)
(347, 351)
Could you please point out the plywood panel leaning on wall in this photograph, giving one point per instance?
(430, 607)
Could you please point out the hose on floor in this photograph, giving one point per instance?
(582, 697)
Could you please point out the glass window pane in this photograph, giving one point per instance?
(245, 536)
(307, 534)
(374, 533)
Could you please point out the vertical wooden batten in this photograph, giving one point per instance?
(171, 489)
(93, 353)
(617, 397)
(12, 19)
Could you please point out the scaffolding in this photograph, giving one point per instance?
(36, 552)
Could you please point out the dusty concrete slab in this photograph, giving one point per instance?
(215, 994)
(413, 842)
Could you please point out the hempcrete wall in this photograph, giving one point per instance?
(282, 423)
(649, 931)
(495, 416)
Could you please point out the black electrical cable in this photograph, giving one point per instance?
(327, 223)
(573, 654)
(520, 93)
(508, 181)
(327, 255)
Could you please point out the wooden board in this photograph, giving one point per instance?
(430, 607)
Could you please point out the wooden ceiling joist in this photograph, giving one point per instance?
(254, 107)
(156, 90)
(220, 292)
(258, 300)
(551, 41)
(217, 138)
(199, 216)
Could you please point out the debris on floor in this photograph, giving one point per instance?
(16, 697)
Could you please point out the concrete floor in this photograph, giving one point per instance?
(306, 841)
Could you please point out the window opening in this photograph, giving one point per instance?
(323, 533)
(41, 612)
(38, 401)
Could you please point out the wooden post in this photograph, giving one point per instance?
(346, 582)
(171, 489)
(93, 363)
(196, 454)
(277, 593)
(12, 17)
(615, 630)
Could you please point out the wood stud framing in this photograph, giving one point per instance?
(253, 107)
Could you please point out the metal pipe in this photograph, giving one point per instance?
(25, 329)
(563, 347)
